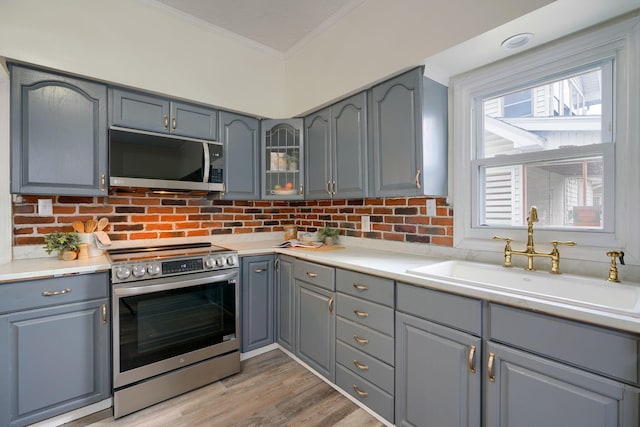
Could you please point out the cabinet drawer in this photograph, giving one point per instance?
(452, 310)
(594, 348)
(316, 274)
(366, 313)
(366, 339)
(30, 294)
(364, 286)
(375, 398)
(365, 366)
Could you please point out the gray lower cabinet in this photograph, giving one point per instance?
(525, 390)
(241, 138)
(364, 340)
(285, 302)
(153, 113)
(336, 160)
(58, 134)
(54, 347)
(409, 136)
(258, 302)
(438, 376)
(315, 316)
(438, 354)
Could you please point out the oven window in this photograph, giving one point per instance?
(160, 325)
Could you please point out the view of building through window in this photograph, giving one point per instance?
(532, 152)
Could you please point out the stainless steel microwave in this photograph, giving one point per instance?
(164, 162)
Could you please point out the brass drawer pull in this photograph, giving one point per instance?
(360, 366)
(174, 123)
(259, 270)
(361, 313)
(52, 293)
(361, 287)
(472, 355)
(360, 392)
(166, 122)
(104, 313)
(492, 377)
(312, 274)
(330, 302)
(360, 340)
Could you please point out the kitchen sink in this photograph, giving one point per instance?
(566, 288)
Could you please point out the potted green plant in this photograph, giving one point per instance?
(66, 244)
(328, 235)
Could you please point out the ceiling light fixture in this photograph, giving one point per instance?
(517, 41)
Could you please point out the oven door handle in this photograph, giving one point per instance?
(148, 289)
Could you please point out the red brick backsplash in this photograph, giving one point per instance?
(148, 216)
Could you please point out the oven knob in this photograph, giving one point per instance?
(219, 262)
(153, 269)
(209, 262)
(138, 271)
(123, 273)
(231, 260)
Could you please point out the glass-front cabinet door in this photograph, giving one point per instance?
(282, 159)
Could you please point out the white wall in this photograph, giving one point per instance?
(382, 37)
(131, 43)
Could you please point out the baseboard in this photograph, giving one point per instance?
(258, 351)
(75, 415)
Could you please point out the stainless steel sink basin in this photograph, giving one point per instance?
(566, 288)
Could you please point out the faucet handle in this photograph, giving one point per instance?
(507, 239)
(613, 269)
(555, 243)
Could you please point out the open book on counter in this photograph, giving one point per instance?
(294, 243)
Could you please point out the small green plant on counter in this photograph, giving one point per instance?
(328, 235)
(61, 242)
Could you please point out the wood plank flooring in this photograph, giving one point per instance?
(271, 390)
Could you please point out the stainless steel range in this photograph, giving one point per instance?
(175, 323)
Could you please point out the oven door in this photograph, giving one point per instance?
(163, 324)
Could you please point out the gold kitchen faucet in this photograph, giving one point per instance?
(530, 251)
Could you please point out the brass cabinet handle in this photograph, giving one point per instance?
(360, 392)
(360, 340)
(166, 121)
(361, 313)
(361, 287)
(312, 274)
(418, 185)
(259, 270)
(104, 313)
(52, 293)
(360, 365)
(472, 355)
(326, 187)
(174, 122)
(301, 191)
(330, 302)
(276, 264)
(102, 182)
(492, 377)
(333, 187)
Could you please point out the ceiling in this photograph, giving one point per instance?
(280, 25)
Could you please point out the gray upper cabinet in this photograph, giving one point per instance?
(258, 302)
(58, 134)
(153, 113)
(54, 350)
(527, 390)
(282, 155)
(336, 157)
(240, 136)
(409, 136)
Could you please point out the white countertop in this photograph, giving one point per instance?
(392, 265)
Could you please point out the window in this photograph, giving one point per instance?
(556, 128)
(547, 149)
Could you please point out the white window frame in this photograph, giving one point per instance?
(620, 41)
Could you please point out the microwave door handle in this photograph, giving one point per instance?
(207, 162)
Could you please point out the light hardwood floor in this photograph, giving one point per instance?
(271, 390)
